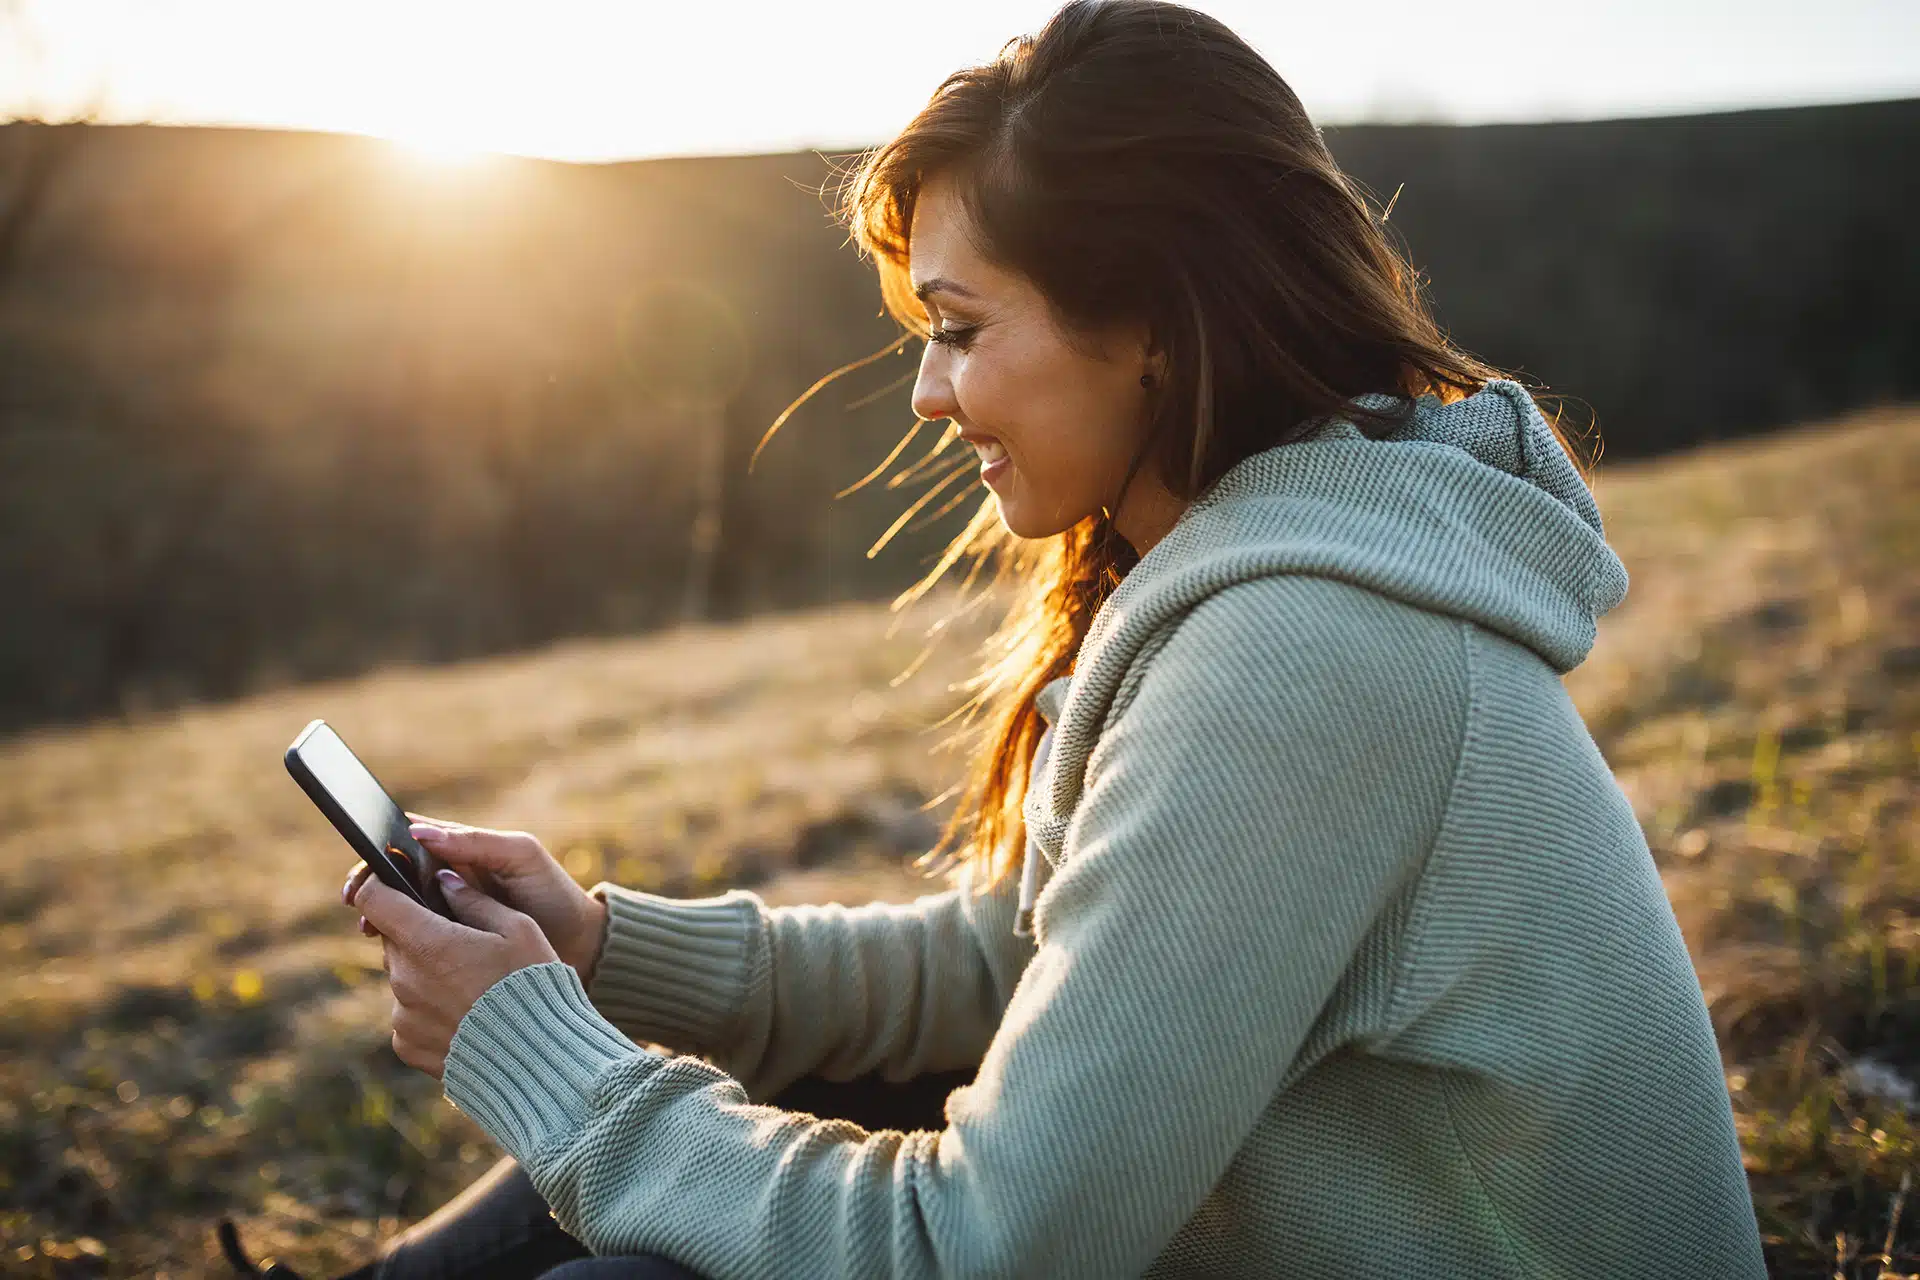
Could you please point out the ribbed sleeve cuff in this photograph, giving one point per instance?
(674, 971)
(525, 1059)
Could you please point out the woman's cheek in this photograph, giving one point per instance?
(1045, 490)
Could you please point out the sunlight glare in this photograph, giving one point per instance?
(438, 150)
(589, 80)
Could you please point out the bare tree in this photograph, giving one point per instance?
(686, 346)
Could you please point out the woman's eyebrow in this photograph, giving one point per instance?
(940, 284)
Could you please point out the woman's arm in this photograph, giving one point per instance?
(775, 993)
(1279, 776)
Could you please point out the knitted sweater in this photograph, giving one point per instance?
(1348, 956)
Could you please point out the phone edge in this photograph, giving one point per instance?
(349, 831)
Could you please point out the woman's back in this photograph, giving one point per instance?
(1515, 1076)
(1342, 670)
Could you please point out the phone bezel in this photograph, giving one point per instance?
(427, 892)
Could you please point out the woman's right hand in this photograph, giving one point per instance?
(515, 868)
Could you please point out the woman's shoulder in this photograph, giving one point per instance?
(1304, 638)
(1278, 673)
(1290, 711)
(1318, 606)
(1290, 683)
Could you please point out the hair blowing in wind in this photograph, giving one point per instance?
(1138, 160)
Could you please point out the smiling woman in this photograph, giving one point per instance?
(1130, 296)
(1336, 949)
(1053, 412)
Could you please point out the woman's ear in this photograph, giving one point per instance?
(1153, 359)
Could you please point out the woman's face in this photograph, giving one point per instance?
(1055, 416)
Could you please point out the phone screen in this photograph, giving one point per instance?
(362, 811)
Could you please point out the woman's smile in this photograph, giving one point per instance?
(994, 460)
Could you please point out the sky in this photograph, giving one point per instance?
(618, 79)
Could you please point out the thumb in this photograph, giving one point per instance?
(474, 908)
(398, 918)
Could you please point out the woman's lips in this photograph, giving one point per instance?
(993, 457)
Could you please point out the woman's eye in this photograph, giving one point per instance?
(948, 336)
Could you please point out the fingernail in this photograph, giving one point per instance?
(346, 890)
(422, 831)
(449, 879)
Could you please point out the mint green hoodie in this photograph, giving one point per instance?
(1347, 954)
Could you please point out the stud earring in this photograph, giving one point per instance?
(1146, 379)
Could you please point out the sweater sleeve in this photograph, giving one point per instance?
(771, 994)
(1279, 775)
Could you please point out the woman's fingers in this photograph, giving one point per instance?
(504, 854)
(445, 824)
(481, 853)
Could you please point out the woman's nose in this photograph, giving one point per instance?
(933, 389)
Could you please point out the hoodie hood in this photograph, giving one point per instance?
(1470, 509)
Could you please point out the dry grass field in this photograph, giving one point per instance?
(192, 1027)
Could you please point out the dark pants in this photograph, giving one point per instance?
(500, 1229)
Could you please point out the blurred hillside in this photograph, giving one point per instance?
(1691, 278)
(278, 407)
(177, 1044)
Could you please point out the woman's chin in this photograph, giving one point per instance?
(1022, 522)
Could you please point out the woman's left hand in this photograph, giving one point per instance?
(438, 968)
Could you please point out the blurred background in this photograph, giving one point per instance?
(400, 363)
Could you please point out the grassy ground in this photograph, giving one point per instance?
(190, 1025)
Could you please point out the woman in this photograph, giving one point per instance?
(1335, 949)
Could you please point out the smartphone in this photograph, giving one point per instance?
(361, 810)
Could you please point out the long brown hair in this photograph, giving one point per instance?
(1140, 162)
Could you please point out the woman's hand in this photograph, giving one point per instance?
(515, 868)
(437, 967)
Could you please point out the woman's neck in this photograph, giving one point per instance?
(1148, 514)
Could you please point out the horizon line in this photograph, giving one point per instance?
(831, 146)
